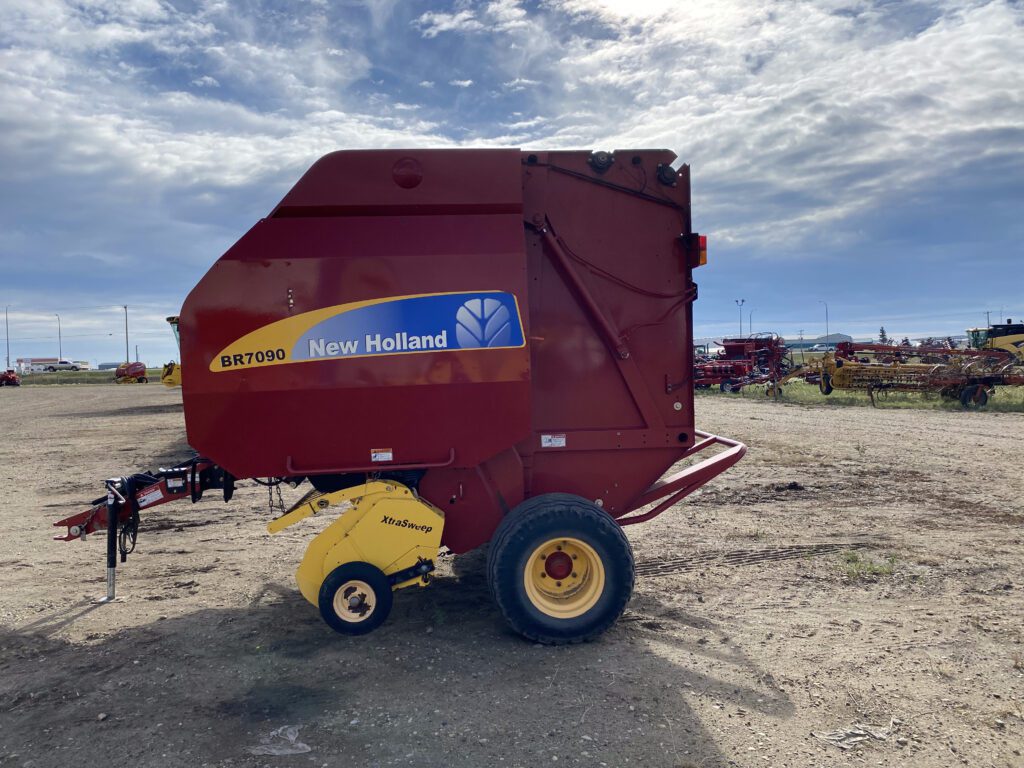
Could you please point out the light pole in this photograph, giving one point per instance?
(802, 346)
(7, 336)
(127, 355)
(826, 320)
(60, 347)
(740, 303)
(750, 322)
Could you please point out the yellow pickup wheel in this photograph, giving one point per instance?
(355, 598)
(560, 569)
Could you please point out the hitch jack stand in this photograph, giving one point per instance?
(114, 502)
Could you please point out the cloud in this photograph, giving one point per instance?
(497, 16)
(433, 24)
(141, 133)
(520, 84)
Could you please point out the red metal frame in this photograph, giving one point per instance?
(847, 349)
(683, 483)
(150, 490)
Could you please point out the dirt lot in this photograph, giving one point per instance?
(858, 567)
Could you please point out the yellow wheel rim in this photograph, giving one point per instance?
(355, 601)
(564, 578)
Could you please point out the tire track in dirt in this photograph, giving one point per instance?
(684, 564)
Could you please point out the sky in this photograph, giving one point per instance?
(867, 154)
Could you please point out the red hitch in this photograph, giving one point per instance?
(118, 513)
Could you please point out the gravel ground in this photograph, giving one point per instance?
(856, 581)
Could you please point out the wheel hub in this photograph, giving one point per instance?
(564, 577)
(558, 566)
(355, 601)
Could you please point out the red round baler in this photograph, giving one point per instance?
(491, 344)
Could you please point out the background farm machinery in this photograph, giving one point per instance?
(131, 373)
(171, 374)
(967, 375)
(760, 358)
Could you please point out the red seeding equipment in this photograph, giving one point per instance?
(761, 358)
(467, 346)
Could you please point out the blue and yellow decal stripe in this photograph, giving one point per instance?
(414, 324)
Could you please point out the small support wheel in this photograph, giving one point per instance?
(560, 569)
(728, 386)
(825, 384)
(355, 598)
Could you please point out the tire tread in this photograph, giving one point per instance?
(581, 513)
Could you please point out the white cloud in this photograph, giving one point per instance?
(795, 117)
(520, 84)
(496, 16)
(520, 125)
(433, 23)
(136, 131)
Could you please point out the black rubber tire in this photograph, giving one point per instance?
(825, 384)
(726, 386)
(974, 396)
(74, 368)
(143, 380)
(540, 519)
(51, 369)
(365, 572)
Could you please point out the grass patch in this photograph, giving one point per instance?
(1005, 399)
(81, 377)
(858, 567)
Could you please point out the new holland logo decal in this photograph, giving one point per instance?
(391, 326)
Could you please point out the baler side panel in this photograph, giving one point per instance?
(454, 407)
